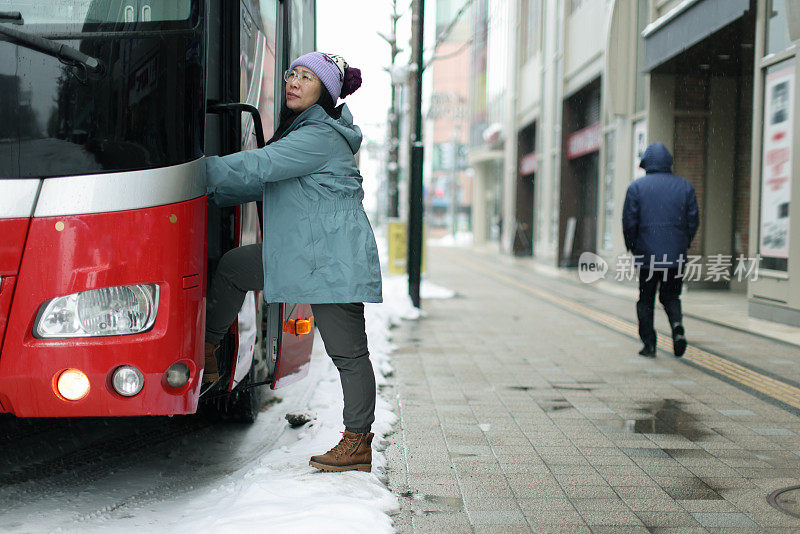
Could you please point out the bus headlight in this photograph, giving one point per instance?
(72, 384)
(127, 380)
(177, 375)
(108, 311)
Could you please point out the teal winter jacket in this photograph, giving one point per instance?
(318, 243)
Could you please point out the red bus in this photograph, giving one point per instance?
(106, 238)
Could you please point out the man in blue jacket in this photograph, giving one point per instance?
(659, 221)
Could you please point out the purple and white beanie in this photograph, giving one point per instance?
(336, 75)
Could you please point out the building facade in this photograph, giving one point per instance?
(448, 189)
(593, 82)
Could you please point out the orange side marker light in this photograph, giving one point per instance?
(304, 326)
(298, 327)
(288, 327)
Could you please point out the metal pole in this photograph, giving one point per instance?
(392, 208)
(415, 182)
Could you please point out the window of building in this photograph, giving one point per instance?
(575, 4)
(777, 35)
(497, 63)
(642, 20)
(532, 16)
(608, 193)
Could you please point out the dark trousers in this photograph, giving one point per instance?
(341, 326)
(668, 284)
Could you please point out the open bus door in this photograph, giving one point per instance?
(269, 344)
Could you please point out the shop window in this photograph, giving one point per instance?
(777, 37)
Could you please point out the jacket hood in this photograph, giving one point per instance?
(344, 124)
(656, 159)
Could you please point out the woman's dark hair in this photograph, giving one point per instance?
(287, 116)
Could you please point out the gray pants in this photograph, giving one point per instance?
(341, 326)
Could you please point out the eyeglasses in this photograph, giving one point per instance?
(303, 78)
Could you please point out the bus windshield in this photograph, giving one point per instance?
(124, 92)
(97, 14)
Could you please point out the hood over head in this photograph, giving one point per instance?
(344, 124)
(656, 158)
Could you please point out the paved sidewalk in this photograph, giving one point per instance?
(719, 306)
(519, 414)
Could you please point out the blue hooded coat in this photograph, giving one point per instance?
(318, 243)
(660, 215)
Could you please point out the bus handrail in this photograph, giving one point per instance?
(213, 107)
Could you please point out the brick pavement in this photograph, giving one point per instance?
(517, 415)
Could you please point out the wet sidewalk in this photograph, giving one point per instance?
(524, 407)
(723, 307)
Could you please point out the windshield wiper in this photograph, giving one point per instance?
(51, 48)
(13, 16)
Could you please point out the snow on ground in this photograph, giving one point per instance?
(278, 491)
(460, 239)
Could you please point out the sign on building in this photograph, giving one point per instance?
(776, 163)
(584, 141)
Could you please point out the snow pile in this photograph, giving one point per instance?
(429, 290)
(281, 493)
(278, 491)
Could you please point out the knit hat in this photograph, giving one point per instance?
(336, 75)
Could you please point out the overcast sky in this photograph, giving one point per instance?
(349, 28)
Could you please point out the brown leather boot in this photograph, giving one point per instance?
(211, 374)
(354, 452)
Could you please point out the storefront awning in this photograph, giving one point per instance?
(687, 24)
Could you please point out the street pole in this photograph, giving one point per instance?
(415, 182)
(454, 177)
(393, 169)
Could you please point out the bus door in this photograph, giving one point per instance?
(241, 86)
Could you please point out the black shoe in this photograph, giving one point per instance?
(648, 351)
(678, 340)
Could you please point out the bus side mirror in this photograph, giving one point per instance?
(217, 108)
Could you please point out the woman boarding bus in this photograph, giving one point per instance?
(323, 252)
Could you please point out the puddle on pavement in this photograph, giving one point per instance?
(452, 502)
(692, 489)
(578, 386)
(570, 387)
(554, 405)
(663, 417)
(448, 503)
(687, 453)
